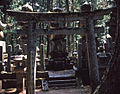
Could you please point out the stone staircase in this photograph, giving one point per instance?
(62, 79)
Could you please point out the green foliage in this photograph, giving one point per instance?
(16, 5)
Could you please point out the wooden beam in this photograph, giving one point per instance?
(48, 17)
(64, 31)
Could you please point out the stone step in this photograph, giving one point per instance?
(61, 78)
(62, 85)
(58, 88)
(63, 73)
(62, 81)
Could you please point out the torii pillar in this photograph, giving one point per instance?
(91, 49)
(92, 55)
(31, 60)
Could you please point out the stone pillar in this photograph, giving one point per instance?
(48, 44)
(9, 58)
(42, 57)
(79, 62)
(80, 53)
(68, 40)
(1, 58)
(1, 53)
(19, 78)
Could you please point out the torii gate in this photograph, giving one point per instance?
(89, 17)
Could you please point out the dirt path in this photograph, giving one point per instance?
(64, 91)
